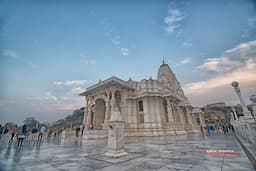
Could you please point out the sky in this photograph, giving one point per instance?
(51, 50)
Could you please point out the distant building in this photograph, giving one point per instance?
(218, 104)
(199, 116)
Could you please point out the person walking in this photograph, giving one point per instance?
(225, 129)
(22, 134)
(202, 130)
(232, 128)
(34, 132)
(1, 131)
(5, 130)
(208, 128)
(41, 133)
(14, 131)
(54, 135)
(82, 130)
(49, 134)
(77, 130)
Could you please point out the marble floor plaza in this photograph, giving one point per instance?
(145, 153)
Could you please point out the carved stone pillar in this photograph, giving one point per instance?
(88, 121)
(85, 112)
(180, 112)
(188, 113)
(112, 100)
(176, 114)
(169, 110)
(107, 111)
(122, 101)
(194, 119)
(201, 118)
(234, 111)
(115, 146)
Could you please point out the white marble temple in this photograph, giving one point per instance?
(149, 107)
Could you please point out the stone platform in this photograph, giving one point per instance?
(144, 153)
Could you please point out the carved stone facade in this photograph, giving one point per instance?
(148, 107)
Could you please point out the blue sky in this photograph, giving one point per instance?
(52, 50)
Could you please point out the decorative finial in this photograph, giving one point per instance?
(163, 61)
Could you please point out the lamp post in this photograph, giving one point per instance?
(253, 105)
(245, 126)
(246, 112)
(234, 112)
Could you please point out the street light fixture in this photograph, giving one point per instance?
(253, 105)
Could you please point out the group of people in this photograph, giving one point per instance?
(78, 129)
(22, 133)
(217, 129)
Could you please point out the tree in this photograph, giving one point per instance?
(9, 125)
(31, 122)
(78, 113)
(68, 118)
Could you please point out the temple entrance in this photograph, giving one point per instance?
(99, 115)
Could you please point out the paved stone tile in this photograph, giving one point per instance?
(145, 153)
(102, 157)
(241, 166)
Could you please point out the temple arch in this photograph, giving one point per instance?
(99, 115)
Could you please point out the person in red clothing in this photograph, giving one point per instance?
(91, 126)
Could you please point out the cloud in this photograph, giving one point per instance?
(13, 55)
(252, 22)
(49, 96)
(70, 82)
(86, 60)
(77, 90)
(30, 63)
(185, 61)
(221, 64)
(115, 42)
(238, 63)
(243, 47)
(245, 33)
(125, 51)
(250, 30)
(50, 105)
(173, 19)
(231, 59)
(244, 74)
(187, 44)
(10, 54)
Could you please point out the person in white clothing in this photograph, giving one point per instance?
(41, 133)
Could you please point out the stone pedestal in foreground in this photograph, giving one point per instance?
(115, 146)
